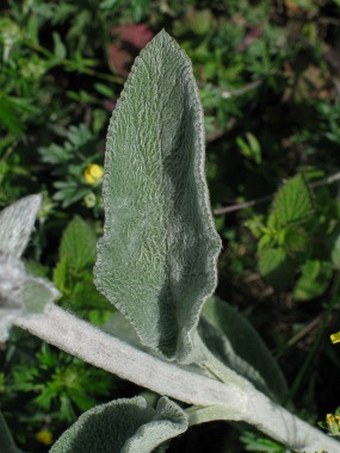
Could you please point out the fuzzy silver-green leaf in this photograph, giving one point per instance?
(123, 426)
(157, 259)
(231, 337)
(16, 224)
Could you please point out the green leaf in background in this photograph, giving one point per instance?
(77, 139)
(232, 338)
(60, 275)
(335, 253)
(157, 259)
(9, 117)
(296, 239)
(7, 444)
(255, 442)
(292, 203)
(200, 22)
(60, 51)
(314, 280)
(78, 244)
(123, 426)
(16, 224)
(276, 267)
(250, 147)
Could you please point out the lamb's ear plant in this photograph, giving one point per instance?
(157, 264)
(20, 293)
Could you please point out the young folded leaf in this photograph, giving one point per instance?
(20, 293)
(123, 426)
(157, 259)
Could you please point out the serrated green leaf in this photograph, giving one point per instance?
(60, 273)
(78, 244)
(157, 259)
(292, 203)
(276, 267)
(296, 239)
(86, 295)
(16, 224)
(123, 426)
(314, 280)
(231, 337)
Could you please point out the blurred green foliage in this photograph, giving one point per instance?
(269, 80)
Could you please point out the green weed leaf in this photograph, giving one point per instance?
(292, 203)
(78, 244)
(231, 337)
(123, 426)
(277, 268)
(157, 259)
(296, 239)
(314, 280)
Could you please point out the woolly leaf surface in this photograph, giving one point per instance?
(123, 426)
(157, 259)
(16, 224)
(37, 293)
(234, 340)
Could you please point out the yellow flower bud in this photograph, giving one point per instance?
(333, 424)
(44, 436)
(335, 338)
(93, 174)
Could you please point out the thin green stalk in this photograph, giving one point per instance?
(316, 344)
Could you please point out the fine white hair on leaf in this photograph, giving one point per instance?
(12, 276)
(17, 223)
(20, 293)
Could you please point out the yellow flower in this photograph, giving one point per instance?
(93, 174)
(333, 424)
(335, 338)
(44, 436)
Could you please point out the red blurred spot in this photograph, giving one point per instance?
(128, 41)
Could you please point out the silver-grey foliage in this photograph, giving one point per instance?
(157, 259)
(16, 224)
(123, 426)
(20, 293)
(157, 264)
